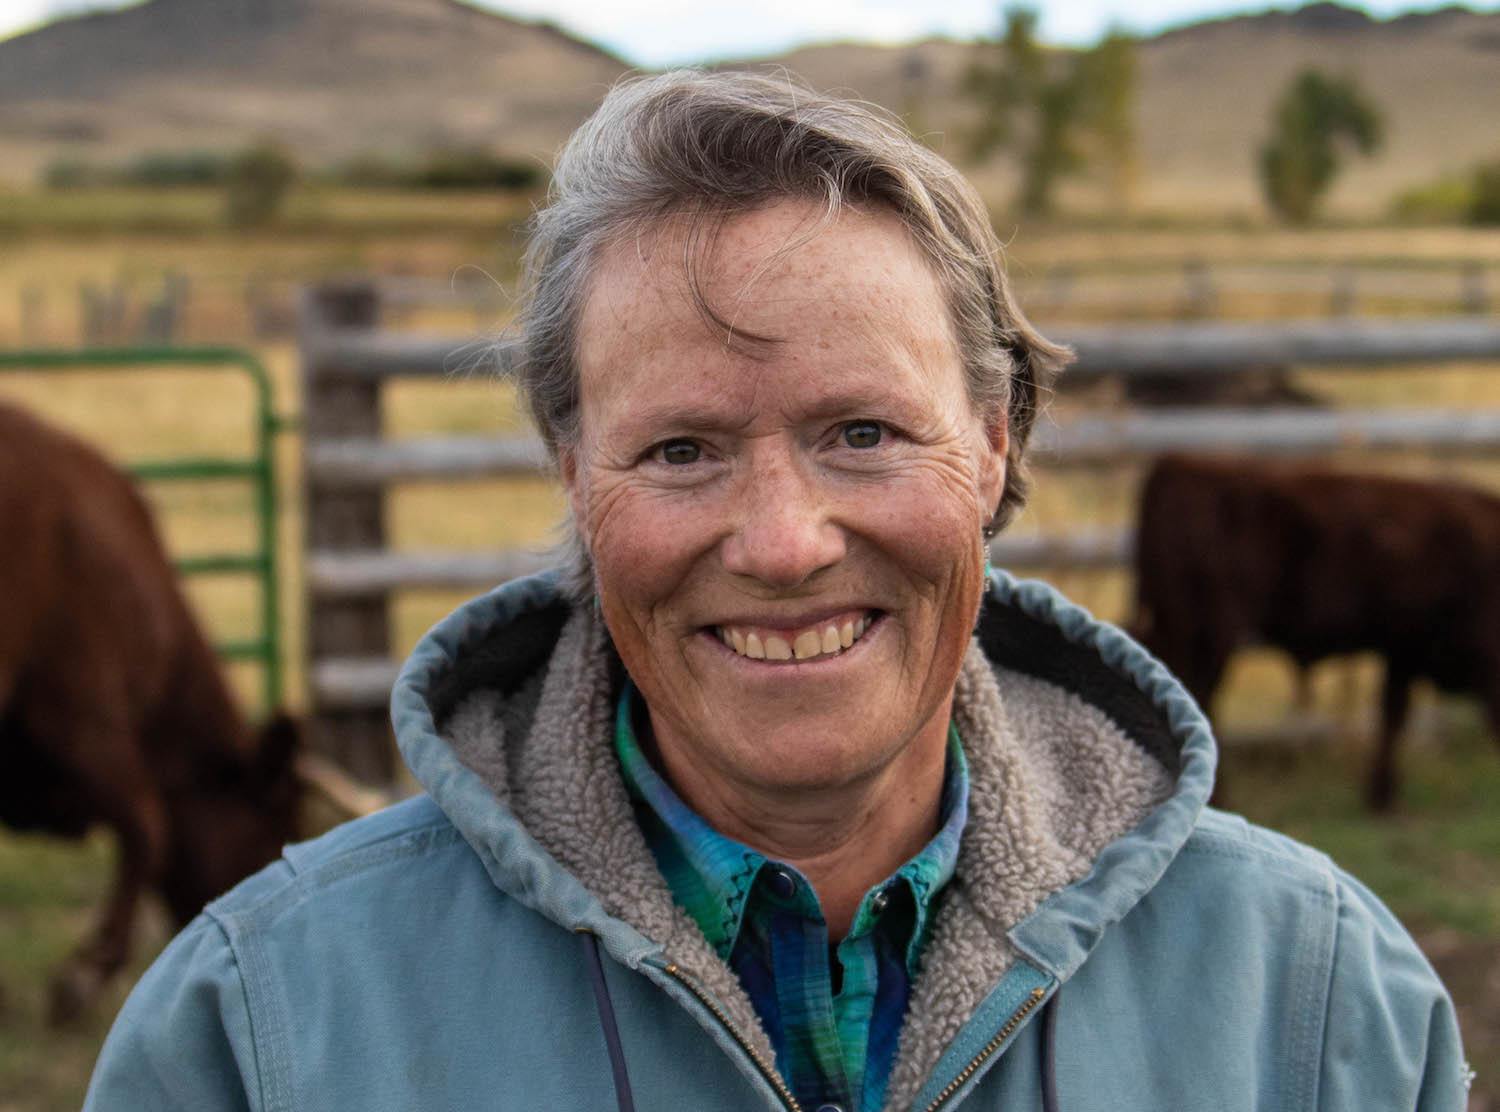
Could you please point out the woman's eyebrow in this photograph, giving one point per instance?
(691, 414)
(845, 403)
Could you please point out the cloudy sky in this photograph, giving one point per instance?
(659, 32)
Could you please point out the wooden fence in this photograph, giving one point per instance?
(351, 576)
(173, 305)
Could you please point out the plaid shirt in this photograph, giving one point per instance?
(833, 1014)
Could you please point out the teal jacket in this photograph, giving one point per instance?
(504, 941)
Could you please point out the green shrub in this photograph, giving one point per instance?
(73, 173)
(1445, 201)
(160, 169)
(373, 171)
(1484, 206)
(474, 168)
(256, 183)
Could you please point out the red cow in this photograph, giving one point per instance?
(1234, 552)
(113, 709)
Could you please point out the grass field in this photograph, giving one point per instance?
(1438, 863)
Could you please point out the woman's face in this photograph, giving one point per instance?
(786, 535)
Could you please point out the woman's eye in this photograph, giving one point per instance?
(862, 434)
(679, 452)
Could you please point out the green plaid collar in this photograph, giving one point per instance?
(711, 875)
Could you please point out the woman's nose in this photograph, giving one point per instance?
(782, 531)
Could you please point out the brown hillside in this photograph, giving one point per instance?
(328, 77)
(332, 77)
(1206, 95)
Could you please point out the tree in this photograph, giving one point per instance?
(1315, 119)
(256, 183)
(1062, 112)
(1106, 77)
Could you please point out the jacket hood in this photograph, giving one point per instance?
(1089, 767)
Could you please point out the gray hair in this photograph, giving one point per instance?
(705, 146)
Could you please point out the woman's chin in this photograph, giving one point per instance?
(806, 749)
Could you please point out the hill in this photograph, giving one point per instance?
(327, 77)
(335, 77)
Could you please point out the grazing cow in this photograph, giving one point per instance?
(1234, 552)
(112, 706)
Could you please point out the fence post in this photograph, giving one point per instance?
(1476, 299)
(1200, 298)
(32, 328)
(1342, 295)
(343, 520)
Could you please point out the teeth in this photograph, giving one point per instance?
(804, 645)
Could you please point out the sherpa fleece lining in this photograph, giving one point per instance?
(1053, 780)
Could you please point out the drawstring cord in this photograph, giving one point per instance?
(626, 1101)
(1049, 1054)
(623, 1098)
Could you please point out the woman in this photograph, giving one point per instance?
(773, 798)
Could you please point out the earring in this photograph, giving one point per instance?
(986, 535)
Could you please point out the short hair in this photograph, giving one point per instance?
(708, 145)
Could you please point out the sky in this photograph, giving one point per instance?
(664, 32)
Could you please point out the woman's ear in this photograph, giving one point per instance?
(570, 471)
(996, 439)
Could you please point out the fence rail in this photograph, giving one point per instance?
(366, 462)
(1223, 347)
(172, 305)
(1217, 347)
(1094, 441)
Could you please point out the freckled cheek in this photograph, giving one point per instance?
(932, 534)
(644, 547)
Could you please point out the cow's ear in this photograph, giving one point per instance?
(280, 738)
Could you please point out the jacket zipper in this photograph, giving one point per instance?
(767, 1070)
(1027, 1007)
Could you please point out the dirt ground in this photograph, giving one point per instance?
(1471, 970)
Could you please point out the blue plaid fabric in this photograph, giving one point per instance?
(833, 1013)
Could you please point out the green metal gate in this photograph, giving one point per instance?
(259, 470)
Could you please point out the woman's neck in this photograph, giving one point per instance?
(843, 839)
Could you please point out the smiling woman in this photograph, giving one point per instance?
(831, 472)
(837, 818)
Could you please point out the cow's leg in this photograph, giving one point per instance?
(1395, 700)
(140, 824)
(1212, 649)
(102, 763)
(1492, 697)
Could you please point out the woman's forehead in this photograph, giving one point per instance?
(770, 284)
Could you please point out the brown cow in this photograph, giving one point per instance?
(113, 709)
(1235, 552)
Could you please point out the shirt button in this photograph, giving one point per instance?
(830, 1108)
(783, 883)
(880, 901)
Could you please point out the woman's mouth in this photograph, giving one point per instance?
(827, 637)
